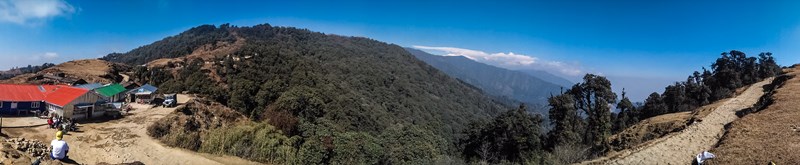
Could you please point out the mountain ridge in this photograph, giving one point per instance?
(491, 79)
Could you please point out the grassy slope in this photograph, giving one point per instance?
(772, 134)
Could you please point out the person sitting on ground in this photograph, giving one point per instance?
(60, 147)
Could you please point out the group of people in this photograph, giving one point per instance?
(60, 124)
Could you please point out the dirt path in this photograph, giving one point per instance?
(125, 77)
(681, 147)
(122, 141)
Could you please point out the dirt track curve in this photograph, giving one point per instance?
(681, 147)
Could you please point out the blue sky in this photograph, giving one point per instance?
(639, 45)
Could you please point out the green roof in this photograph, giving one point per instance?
(110, 90)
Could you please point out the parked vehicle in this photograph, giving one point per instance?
(170, 100)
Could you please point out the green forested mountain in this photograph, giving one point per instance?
(493, 80)
(346, 100)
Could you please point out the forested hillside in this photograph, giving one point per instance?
(493, 80)
(335, 99)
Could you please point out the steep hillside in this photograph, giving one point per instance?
(771, 133)
(320, 88)
(492, 80)
(88, 70)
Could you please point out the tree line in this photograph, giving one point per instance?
(24, 70)
(581, 117)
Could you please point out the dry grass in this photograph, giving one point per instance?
(659, 126)
(208, 53)
(686, 137)
(91, 70)
(649, 129)
(772, 134)
(86, 67)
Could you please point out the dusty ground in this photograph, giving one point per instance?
(643, 132)
(116, 141)
(772, 134)
(681, 147)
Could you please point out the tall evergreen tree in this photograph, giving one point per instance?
(767, 66)
(565, 119)
(593, 97)
(627, 113)
(653, 106)
(512, 136)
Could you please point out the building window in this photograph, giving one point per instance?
(13, 105)
(1, 104)
(34, 104)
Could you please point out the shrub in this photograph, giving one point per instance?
(254, 141)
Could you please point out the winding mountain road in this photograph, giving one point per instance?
(681, 147)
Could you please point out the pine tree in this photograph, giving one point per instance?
(564, 118)
(626, 114)
(593, 97)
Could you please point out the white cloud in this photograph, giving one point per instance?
(50, 55)
(509, 60)
(45, 57)
(32, 11)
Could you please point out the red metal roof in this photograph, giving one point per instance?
(64, 94)
(55, 94)
(24, 93)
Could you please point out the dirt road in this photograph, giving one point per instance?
(121, 141)
(681, 147)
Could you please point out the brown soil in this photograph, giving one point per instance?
(91, 70)
(772, 134)
(117, 141)
(681, 147)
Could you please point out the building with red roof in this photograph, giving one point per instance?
(15, 99)
(66, 101)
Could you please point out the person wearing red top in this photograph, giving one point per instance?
(50, 122)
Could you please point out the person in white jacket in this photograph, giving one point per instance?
(60, 147)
